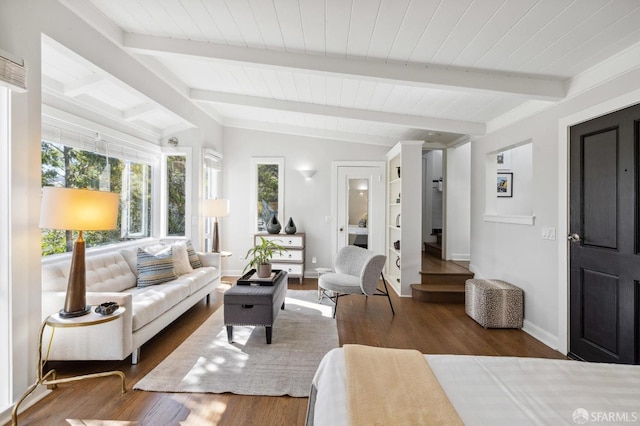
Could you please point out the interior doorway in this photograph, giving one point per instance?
(433, 202)
(358, 205)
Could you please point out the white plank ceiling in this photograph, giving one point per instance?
(373, 71)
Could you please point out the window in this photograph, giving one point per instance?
(267, 191)
(72, 167)
(176, 191)
(212, 169)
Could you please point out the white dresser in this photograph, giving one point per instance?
(292, 260)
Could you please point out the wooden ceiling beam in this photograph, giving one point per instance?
(412, 121)
(528, 87)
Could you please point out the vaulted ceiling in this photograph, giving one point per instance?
(372, 71)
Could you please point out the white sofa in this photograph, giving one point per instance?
(111, 277)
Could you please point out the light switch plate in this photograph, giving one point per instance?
(548, 233)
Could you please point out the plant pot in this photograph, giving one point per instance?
(264, 271)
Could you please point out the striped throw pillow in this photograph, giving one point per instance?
(155, 268)
(194, 259)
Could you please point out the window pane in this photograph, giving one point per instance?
(69, 167)
(176, 185)
(267, 194)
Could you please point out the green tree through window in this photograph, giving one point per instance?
(267, 194)
(69, 167)
(176, 186)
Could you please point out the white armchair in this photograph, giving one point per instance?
(357, 272)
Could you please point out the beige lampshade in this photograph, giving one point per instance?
(218, 207)
(78, 209)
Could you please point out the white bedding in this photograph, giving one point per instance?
(507, 391)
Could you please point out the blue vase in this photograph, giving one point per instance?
(291, 227)
(273, 226)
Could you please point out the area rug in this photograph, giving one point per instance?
(206, 363)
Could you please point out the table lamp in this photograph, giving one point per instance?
(78, 210)
(217, 207)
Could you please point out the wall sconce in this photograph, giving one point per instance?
(307, 173)
(173, 141)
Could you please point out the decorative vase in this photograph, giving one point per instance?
(396, 245)
(291, 227)
(398, 168)
(398, 221)
(264, 271)
(273, 226)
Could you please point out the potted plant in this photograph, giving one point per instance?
(260, 256)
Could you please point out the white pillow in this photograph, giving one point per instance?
(181, 262)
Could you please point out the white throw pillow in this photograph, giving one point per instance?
(181, 262)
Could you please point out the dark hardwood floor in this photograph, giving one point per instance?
(429, 328)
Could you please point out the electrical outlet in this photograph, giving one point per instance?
(313, 259)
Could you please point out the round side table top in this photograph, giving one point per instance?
(91, 318)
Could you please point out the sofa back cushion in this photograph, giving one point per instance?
(105, 272)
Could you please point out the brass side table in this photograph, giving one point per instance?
(49, 379)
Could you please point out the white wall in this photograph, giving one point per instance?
(458, 197)
(308, 201)
(517, 253)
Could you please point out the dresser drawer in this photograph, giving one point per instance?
(294, 241)
(289, 255)
(291, 268)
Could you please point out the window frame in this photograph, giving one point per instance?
(5, 237)
(211, 188)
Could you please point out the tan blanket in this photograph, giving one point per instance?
(394, 387)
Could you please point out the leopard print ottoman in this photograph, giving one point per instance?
(494, 303)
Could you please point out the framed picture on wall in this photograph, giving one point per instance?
(505, 184)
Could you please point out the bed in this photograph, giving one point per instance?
(486, 390)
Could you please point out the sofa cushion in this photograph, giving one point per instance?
(197, 279)
(105, 272)
(156, 268)
(151, 302)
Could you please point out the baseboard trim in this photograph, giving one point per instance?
(461, 257)
(40, 392)
(540, 334)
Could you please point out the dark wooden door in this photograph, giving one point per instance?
(604, 259)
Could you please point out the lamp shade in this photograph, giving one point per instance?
(216, 207)
(78, 209)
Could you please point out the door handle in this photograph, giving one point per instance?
(574, 238)
(341, 229)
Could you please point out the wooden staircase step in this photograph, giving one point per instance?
(438, 278)
(433, 293)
